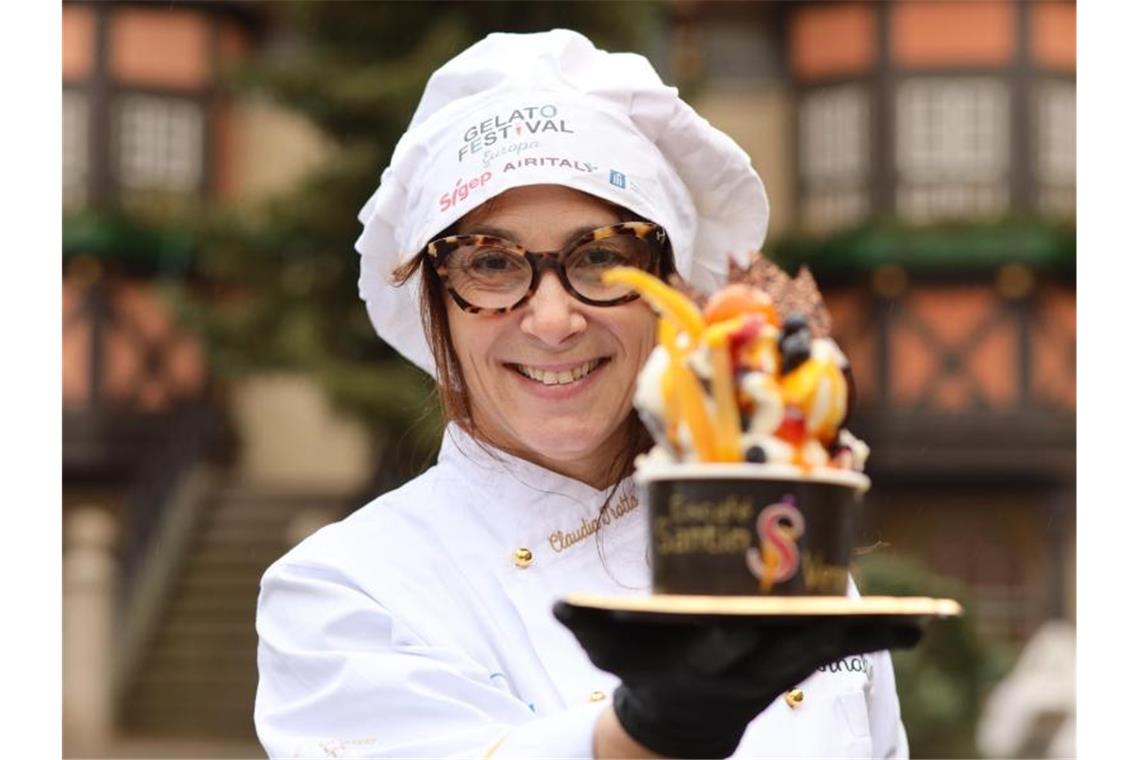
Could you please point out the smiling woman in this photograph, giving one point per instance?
(486, 271)
(422, 625)
(551, 381)
(577, 426)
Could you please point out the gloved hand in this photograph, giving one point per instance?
(690, 687)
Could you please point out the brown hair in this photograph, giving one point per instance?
(451, 387)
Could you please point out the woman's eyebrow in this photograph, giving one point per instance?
(573, 235)
(499, 232)
(486, 229)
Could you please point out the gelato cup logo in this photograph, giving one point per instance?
(778, 526)
(526, 121)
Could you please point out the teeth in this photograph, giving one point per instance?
(547, 377)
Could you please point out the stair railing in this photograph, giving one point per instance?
(162, 513)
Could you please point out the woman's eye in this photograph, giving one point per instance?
(601, 257)
(490, 262)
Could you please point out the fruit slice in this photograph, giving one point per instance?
(694, 412)
(727, 414)
(737, 299)
(799, 384)
(667, 337)
(670, 303)
(716, 337)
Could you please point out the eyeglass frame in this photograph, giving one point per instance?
(437, 251)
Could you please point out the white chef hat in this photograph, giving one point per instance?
(550, 108)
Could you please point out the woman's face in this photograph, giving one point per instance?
(573, 426)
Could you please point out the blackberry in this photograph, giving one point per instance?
(794, 342)
(795, 322)
(756, 455)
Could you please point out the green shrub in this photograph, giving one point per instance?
(943, 681)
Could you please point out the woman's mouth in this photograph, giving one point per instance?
(562, 376)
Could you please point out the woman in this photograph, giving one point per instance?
(421, 626)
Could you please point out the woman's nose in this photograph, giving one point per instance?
(553, 315)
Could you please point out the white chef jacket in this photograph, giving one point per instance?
(415, 628)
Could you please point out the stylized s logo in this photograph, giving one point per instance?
(778, 526)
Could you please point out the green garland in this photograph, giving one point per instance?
(979, 249)
(136, 246)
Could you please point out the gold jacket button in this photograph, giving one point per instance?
(523, 557)
(597, 696)
(794, 698)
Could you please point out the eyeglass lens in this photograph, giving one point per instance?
(493, 276)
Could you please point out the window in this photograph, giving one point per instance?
(952, 148)
(1057, 147)
(159, 141)
(75, 119)
(834, 156)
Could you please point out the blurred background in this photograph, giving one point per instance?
(224, 394)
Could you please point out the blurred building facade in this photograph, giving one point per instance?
(176, 496)
(919, 157)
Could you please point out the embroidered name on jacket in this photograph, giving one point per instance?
(856, 664)
(562, 540)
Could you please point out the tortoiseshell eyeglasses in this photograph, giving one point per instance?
(489, 274)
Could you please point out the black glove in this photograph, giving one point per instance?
(690, 687)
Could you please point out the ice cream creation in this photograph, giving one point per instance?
(742, 381)
(754, 487)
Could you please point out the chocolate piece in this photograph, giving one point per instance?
(800, 294)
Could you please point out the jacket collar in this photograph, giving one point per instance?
(524, 504)
(488, 468)
(557, 520)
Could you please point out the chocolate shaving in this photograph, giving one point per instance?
(806, 298)
(799, 294)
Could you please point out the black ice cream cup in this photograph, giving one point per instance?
(747, 529)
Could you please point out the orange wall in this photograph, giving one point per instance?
(832, 40)
(1053, 339)
(851, 316)
(78, 42)
(183, 372)
(1053, 35)
(839, 39)
(952, 314)
(75, 345)
(935, 33)
(160, 47)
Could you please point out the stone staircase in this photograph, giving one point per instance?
(198, 675)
